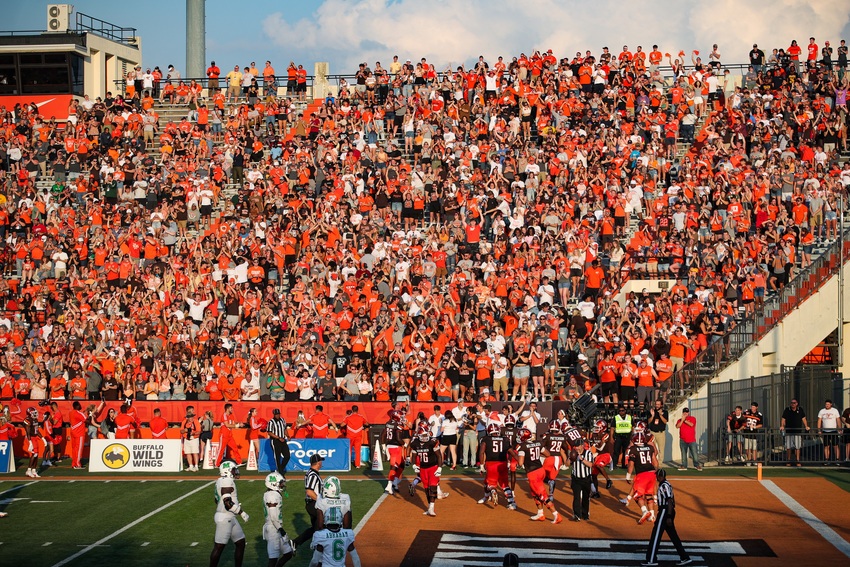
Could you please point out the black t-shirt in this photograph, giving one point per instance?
(655, 423)
(793, 419)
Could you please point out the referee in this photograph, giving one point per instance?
(665, 523)
(276, 429)
(582, 465)
(313, 489)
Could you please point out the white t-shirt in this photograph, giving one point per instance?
(527, 420)
(829, 418)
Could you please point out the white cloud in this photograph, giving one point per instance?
(346, 32)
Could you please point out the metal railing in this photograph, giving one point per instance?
(90, 24)
(776, 447)
(727, 349)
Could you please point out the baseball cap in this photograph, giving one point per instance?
(276, 411)
(316, 458)
(686, 410)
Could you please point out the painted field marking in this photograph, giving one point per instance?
(45, 544)
(813, 521)
(193, 544)
(130, 525)
(369, 514)
(147, 543)
(20, 486)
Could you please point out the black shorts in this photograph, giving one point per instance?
(206, 210)
(830, 438)
(620, 221)
(575, 272)
(448, 440)
(609, 388)
(627, 393)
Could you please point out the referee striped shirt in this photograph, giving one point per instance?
(580, 469)
(665, 495)
(277, 427)
(312, 481)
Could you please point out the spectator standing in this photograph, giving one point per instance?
(658, 417)
(792, 424)
(276, 430)
(735, 422)
(469, 452)
(754, 423)
(530, 418)
(829, 420)
(190, 431)
(688, 439)
(355, 424)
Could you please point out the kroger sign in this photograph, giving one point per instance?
(336, 452)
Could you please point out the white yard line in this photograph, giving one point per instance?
(20, 486)
(130, 525)
(369, 514)
(813, 521)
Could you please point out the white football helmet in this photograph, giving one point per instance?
(331, 488)
(228, 469)
(275, 482)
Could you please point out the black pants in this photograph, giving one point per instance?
(664, 523)
(581, 497)
(621, 445)
(307, 535)
(281, 455)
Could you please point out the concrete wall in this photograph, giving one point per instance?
(103, 64)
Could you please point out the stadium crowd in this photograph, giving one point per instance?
(423, 235)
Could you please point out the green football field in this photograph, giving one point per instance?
(129, 521)
(141, 523)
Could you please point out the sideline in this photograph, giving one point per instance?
(130, 525)
(813, 521)
(362, 523)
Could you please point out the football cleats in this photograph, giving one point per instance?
(331, 488)
(554, 427)
(524, 434)
(510, 420)
(601, 426)
(333, 519)
(423, 431)
(228, 469)
(639, 438)
(493, 429)
(275, 482)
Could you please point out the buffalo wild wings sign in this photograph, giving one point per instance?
(135, 455)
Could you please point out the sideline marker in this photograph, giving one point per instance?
(377, 462)
(252, 458)
(758, 472)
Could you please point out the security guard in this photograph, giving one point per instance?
(622, 435)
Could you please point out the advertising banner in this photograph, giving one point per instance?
(7, 457)
(337, 454)
(135, 455)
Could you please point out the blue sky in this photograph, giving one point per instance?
(346, 32)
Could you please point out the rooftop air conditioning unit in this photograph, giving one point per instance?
(59, 17)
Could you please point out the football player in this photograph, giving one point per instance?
(394, 446)
(278, 545)
(34, 441)
(602, 444)
(493, 454)
(428, 462)
(509, 432)
(528, 454)
(331, 544)
(227, 507)
(333, 497)
(642, 462)
(554, 443)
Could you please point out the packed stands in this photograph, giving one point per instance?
(423, 234)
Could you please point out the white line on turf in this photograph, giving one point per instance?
(130, 525)
(46, 543)
(20, 486)
(813, 521)
(193, 544)
(368, 515)
(147, 543)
